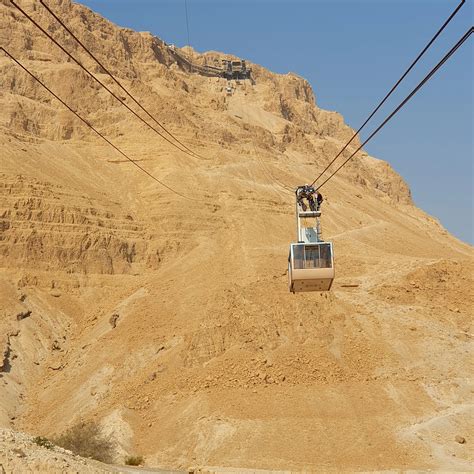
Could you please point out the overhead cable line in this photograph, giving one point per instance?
(257, 155)
(412, 65)
(187, 20)
(91, 126)
(115, 79)
(99, 81)
(412, 93)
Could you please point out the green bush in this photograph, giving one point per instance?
(86, 440)
(43, 442)
(134, 460)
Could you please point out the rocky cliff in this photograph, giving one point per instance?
(168, 319)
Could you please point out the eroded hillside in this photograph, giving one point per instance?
(168, 319)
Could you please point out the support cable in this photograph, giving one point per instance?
(187, 20)
(83, 120)
(393, 88)
(189, 41)
(99, 81)
(114, 78)
(412, 93)
(257, 154)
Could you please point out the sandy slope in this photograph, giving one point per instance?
(168, 319)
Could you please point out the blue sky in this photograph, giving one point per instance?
(352, 52)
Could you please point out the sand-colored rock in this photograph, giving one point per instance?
(211, 361)
(19, 453)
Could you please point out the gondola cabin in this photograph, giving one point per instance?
(311, 259)
(311, 267)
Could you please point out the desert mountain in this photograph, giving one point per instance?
(167, 319)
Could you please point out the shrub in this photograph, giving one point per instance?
(43, 442)
(134, 460)
(86, 440)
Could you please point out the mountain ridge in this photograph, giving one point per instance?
(168, 320)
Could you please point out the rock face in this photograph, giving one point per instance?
(53, 229)
(19, 453)
(168, 319)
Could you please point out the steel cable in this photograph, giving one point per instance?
(412, 93)
(92, 127)
(187, 20)
(257, 154)
(412, 65)
(99, 81)
(115, 79)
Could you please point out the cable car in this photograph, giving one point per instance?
(311, 259)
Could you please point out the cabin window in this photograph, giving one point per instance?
(325, 256)
(312, 256)
(298, 256)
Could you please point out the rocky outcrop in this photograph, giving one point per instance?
(164, 313)
(53, 228)
(20, 452)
